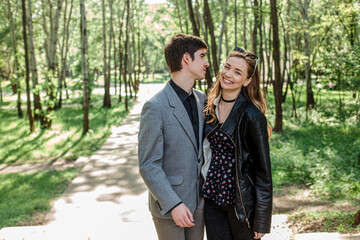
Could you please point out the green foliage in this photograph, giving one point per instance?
(322, 151)
(22, 195)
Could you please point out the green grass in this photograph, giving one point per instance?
(64, 140)
(22, 195)
(328, 221)
(320, 150)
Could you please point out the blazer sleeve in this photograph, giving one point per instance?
(262, 167)
(150, 156)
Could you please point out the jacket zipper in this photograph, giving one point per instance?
(252, 183)
(237, 184)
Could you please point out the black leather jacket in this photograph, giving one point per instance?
(246, 125)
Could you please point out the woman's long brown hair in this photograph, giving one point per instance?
(251, 92)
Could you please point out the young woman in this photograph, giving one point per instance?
(237, 169)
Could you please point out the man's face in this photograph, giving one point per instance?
(198, 66)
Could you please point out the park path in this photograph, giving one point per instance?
(108, 199)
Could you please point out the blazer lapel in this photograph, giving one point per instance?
(180, 113)
(200, 107)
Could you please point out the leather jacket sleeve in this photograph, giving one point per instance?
(259, 149)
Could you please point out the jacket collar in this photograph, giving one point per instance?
(234, 115)
(230, 123)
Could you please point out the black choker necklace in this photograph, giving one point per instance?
(228, 101)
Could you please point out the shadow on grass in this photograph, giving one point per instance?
(327, 158)
(50, 145)
(22, 195)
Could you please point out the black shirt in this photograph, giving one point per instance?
(190, 105)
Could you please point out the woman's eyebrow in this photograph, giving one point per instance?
(238, 69)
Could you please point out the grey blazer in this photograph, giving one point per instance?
(169, 161)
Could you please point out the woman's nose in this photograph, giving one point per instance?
(227, 73)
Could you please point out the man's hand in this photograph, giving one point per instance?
(182, 216)
(258, 235)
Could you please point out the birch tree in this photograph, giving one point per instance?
(15, 80)
(64, 49)
(304, 9)
(38, 113)
(107, 100)
(84, 69)
(27, 67)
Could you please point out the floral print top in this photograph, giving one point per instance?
(220, 181)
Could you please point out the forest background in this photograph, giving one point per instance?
(76, 68)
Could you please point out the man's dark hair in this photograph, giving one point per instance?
(179, 45)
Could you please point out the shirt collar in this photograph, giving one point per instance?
(183, 95)
(216, 103)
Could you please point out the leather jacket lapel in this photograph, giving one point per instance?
(234, 116)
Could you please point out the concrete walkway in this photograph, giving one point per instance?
(108, 199)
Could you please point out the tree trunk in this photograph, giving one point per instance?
(46, 31)
(53, 61)
(177, 8)
(261, 53)
(139, 54)
(34, 74)
(86, 96)
(210, 25)
(115, 59)
(18, 101)
(27, 67)
(256, 22)
(13, 80)
(235, 21)
(226, 41)
(121, 61)
(276, 56)
(285, 60)
(194, 25)
(54, 36)
(50, 47)
(133, 70)
(64, 51)
(223, 27)
(110, 46)
(107, 102)
(304, 8)
(204, 29)
(126, 54)
(244, 23)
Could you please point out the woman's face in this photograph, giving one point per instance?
(234, 74)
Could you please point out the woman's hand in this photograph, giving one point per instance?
(258, 235)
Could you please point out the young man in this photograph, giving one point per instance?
(170, 149)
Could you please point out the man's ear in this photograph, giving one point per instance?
(186, 58)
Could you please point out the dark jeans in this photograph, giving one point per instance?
(222, 224)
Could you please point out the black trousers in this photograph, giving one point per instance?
(222, 224)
